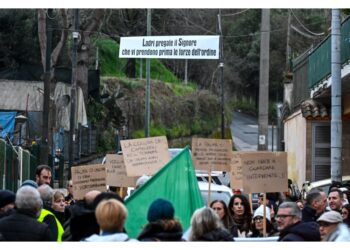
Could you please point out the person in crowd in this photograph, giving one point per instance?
(290, 226)
(314, 206)
(141, 181)
(47, 214)
(345, 214)
(335, 200)
(110, 215)
(80, 218)
(300, 204)
(328, 222)
(69, 199)
(7, 202)
(220, 207)
(257, 224)
(161, 226)
(106, 196)
(22, 225)
(346, 196)
(239, 209)
(43, 175)
(30, 183)
(207, 226)
(58, 206)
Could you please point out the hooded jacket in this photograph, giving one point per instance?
(301, 231)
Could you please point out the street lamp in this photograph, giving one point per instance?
(20, 120)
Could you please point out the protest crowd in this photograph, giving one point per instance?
(37, 212)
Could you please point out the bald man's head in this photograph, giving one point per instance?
(90, 197)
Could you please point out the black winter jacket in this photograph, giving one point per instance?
(217, 235)
(301, 231)
(23, 227)
(156, 231)
(308, 214)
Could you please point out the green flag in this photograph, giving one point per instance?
(175, 182)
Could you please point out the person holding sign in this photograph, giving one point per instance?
(239, 209)
(257, 224)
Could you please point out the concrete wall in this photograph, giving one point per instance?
(295, 128)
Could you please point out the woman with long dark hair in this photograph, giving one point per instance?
(239, 209)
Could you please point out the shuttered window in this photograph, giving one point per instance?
(321, 151)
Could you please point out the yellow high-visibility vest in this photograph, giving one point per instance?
(44, 212)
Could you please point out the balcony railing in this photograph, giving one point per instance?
(320, 57)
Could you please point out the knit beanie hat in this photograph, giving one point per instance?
(160, 209)
(30, 183)
(6, 197)
(260, 212)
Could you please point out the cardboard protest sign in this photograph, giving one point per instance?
(212, 154)
(87, 178)
(236, 181)
(145, 156)
(264, 172)
(116, 172)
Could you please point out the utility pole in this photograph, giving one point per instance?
(148, 81)
(264, 80)
(288, 41)
(221, 65)
(336, 121)
(44, 155)
(75, 34)
(186, 71)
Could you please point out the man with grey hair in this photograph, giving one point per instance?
(290, 226)
(23, 225)
(314, 207)
(46, 215)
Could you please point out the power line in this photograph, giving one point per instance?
(303, 26)
(236, 13)
(301, 32)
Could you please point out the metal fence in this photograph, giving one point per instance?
(16, 165)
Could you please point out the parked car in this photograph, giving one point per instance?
(217, 192)
(323, 184)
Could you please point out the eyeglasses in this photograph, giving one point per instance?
(283, 216)
(258, 218)
(324, 224)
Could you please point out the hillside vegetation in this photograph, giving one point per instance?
(178, 110)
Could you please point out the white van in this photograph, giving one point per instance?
(217, 192)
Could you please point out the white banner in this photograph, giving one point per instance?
(170, 47)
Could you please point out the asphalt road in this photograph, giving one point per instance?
(244, 130)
